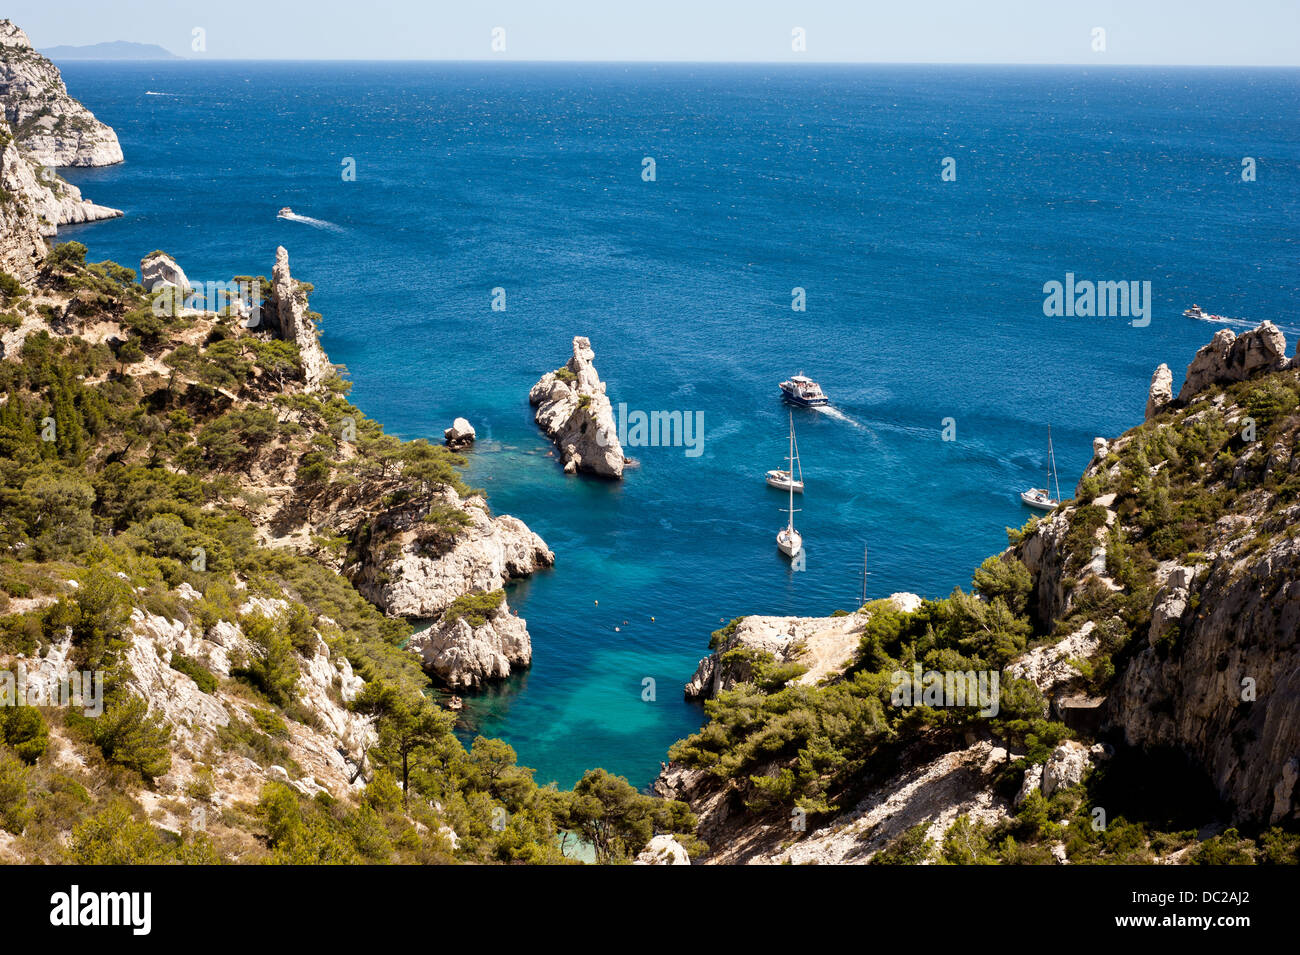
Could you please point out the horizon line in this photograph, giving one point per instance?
(653, 62)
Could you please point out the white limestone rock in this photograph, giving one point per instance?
(52, 127)
(663, 850)
(467, 655)
(576, 414)
(158, 269)
(284, 314)
(1066, 766)
(1161, 392)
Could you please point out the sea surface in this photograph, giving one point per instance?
(924, 302)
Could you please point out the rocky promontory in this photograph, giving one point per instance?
(52, 127)
(575, 413)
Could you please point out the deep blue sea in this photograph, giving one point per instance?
(924, 302)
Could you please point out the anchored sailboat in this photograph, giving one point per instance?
(788, 539)
(791, 479)
(1040, 497)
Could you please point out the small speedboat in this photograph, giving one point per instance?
(802, 390)
(455, 704)
(284, 213)
(1201, 315)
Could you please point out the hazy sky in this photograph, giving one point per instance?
(1217, 32)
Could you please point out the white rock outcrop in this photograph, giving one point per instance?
(417, 583)
(158, 269)
(284, 314)
(575, 413)
(663, 850)
(1230, 358)
(1066, 766)
(1161, 392)
(463, 654)
(825, 645)
(52, 127)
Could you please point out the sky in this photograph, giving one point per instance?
(1163, 32)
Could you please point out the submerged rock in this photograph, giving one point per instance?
(575, 413)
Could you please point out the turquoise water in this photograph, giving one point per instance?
(924, 302)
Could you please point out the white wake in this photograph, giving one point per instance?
(314, 223)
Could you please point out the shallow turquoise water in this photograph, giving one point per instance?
(924, 302)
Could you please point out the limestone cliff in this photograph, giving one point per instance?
(575, 413)
(52, 127)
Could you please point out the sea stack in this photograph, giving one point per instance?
(575, 413)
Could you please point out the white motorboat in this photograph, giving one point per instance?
(1201, 315)
(802, 390)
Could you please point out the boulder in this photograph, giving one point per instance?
(575, 413)
(460, 435)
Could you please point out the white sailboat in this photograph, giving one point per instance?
(1040, 497)
(788, 540)
(788, 479)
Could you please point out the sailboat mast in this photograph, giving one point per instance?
(790, 525)
(1051, 464)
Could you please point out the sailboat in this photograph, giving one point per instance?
(783, 479)
(788, 540)
(1040, 497)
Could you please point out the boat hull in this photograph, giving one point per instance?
(789, 544)
(1038, 503)
(803, 402)
(784, 484)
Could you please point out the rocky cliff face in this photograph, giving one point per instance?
(1217, 671)
(42, 127)
(52, 127)
(575, 413)
(22, 246)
